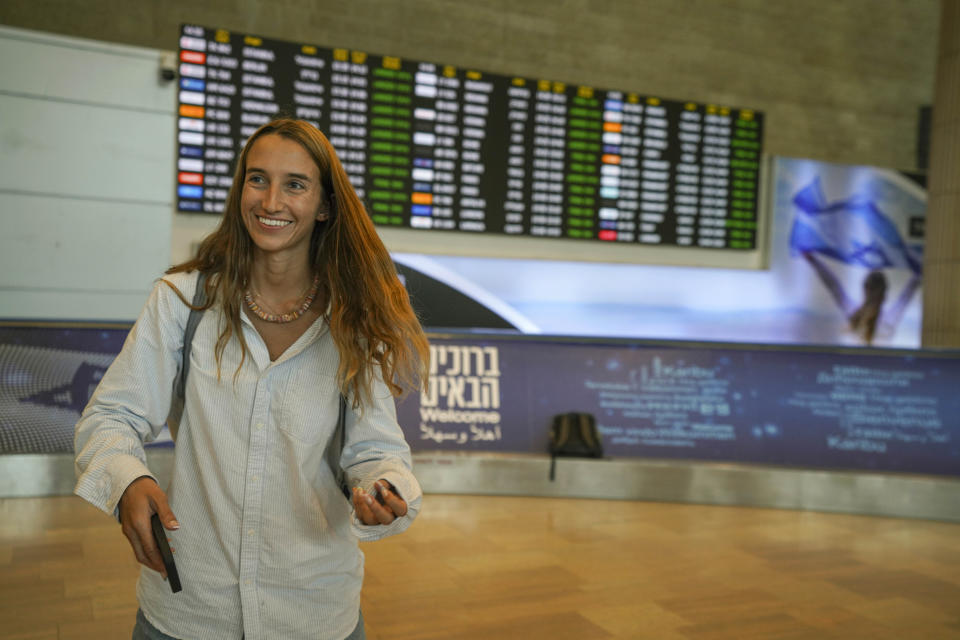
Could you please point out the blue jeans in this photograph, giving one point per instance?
(146, 631)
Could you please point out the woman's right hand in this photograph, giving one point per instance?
(141, 499)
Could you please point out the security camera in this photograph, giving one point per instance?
(168, 67)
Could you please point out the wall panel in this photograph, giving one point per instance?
(86, 180)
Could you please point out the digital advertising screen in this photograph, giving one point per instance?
(832, 229)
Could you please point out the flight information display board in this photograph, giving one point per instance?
(435, 147)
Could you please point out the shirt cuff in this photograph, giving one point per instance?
(105, 490)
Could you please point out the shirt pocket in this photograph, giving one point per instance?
(310, 407)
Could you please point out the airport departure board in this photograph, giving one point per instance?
(430, 146)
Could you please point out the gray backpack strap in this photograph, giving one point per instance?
(199, 299)
(337, 443)
(180, 383)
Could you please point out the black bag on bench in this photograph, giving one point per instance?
(574, 435)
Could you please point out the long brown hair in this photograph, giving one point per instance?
(371, 320)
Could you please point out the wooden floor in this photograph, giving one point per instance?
(530, 568)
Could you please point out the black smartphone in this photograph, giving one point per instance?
(160, 535)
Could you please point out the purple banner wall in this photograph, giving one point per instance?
(862, 410)
(858, 409)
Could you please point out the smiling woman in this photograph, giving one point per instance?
(304, 307)
(370, 317)
(281, 203)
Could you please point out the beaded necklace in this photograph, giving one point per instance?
(290, 316)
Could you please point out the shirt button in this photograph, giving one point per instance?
(259, 426)
(248, 582)
(251, 532)
(255, 478)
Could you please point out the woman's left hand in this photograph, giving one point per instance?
(384, 509)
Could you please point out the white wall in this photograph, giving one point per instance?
(86, 177)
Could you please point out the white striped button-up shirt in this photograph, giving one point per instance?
(267, 546)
